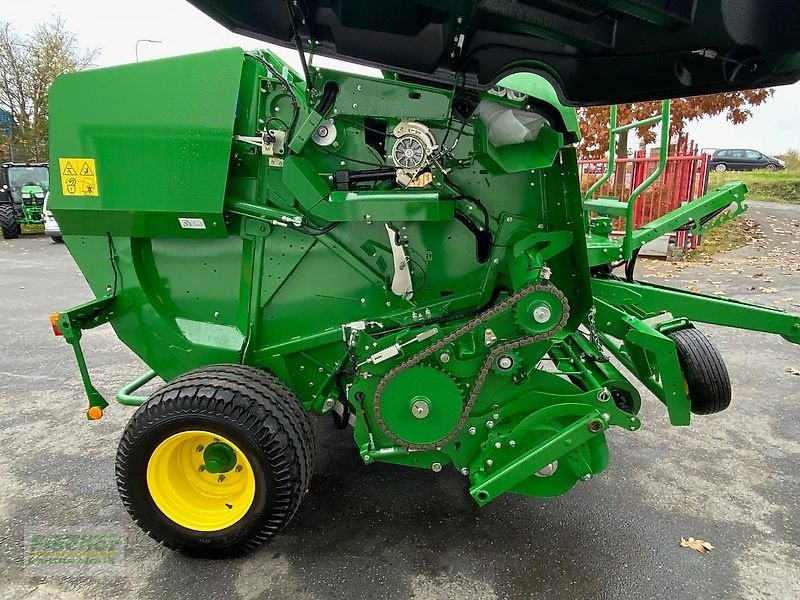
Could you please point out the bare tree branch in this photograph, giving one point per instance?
(28, 65)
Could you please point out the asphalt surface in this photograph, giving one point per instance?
(388, 532)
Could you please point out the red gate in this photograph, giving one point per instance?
(685, 178)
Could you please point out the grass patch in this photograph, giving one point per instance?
(780, 186)
(734, 234)
(33, 229)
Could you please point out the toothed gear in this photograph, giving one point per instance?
(539, 311)
(421, 405)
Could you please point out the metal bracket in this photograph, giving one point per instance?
(401, 281)
(272, 142)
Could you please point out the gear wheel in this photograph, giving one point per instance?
(421, 405)
(538, 312)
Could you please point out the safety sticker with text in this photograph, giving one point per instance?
(78, 176)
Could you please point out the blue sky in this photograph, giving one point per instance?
(114, 27)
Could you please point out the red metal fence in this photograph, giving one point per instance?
(685, 178)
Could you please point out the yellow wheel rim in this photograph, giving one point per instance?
(184, 489)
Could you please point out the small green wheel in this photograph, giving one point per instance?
(708, 384)
(217, 461)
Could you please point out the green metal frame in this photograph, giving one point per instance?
(220, 237)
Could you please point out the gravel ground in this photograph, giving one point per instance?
(384, 531)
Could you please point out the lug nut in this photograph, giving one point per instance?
(436, 467)
(464, 471)
(489, 424)
(221, 478)
(472, 431)
(498, 445)
(489, 462)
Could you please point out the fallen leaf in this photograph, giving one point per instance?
(768, 290)
(793, 371)
(699, 545)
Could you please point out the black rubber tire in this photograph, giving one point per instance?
(772, 167)
(8, 222)
(721, 168)
(57, 239)
(704, 370)
(252, 409)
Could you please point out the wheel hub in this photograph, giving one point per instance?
(219, 457)
(200, 480)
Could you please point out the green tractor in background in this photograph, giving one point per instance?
(23, 187)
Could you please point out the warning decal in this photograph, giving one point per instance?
(78, 176)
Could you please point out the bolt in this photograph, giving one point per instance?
(420, 409)
(199, 448)
(509, 219)
(586, 477)
(489, 462)
(358, 87)
(221, 478)
(444, 357)
(496, 416)
(367, 458)
(472, 431)
(310, 384)
(355, 105)
(489, 424)
(436, 467)
(329, 403)
(542, 313)
(498, 445)
(302, 367)
(496, 261)
(201, 468)
(505, 362)
(512, 443)
(363, 301)
(464, 471)
(606, 416)
(595, 425)
(238, 468)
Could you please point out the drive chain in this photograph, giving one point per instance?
(485, 368)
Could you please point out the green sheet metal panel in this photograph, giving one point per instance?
(160, 136)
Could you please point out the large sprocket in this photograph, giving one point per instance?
(420, 406)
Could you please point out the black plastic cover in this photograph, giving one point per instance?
(594, 51)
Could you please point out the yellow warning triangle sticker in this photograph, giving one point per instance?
(69, 170)
(85, 170)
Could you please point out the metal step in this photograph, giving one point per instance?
(611, 207)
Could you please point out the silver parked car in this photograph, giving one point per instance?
(51, 228)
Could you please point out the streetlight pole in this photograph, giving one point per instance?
(136, 47)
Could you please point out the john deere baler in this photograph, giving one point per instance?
(410, 253)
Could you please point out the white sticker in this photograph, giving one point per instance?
(187, 223)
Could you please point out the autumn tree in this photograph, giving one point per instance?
(594, 120)
(28, 65)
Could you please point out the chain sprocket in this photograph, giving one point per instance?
(485, 368)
